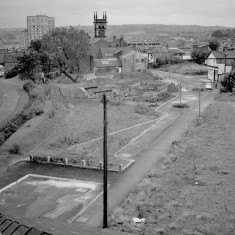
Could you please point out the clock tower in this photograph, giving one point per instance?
(100, 25)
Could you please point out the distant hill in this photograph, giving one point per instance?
(132, 32)
(155, 30)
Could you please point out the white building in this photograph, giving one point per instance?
(39, 25)
(219, 63)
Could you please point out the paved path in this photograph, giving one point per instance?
(13, 99)
(148, 150)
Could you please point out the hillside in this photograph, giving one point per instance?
(130, 32)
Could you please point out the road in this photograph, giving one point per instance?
(150, 148)
(147, 151)
(12, 97)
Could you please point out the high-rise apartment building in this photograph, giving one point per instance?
(39, 25)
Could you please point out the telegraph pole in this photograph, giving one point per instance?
(199, 106)
(180, 93)
(105, 164)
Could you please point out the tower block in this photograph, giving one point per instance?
(100, 25)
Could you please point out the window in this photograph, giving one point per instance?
(137, 61)
(142, 60)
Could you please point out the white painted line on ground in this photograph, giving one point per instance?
(84, 209)
(166, 103)
(14, 183)
(162, 118)
(60, 178)
(80, 212)
(113, 133)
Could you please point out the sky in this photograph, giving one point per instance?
(13, 13)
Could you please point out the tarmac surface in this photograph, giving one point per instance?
(12, 99)
(146, 151)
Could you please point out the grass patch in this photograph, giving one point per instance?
(143, 110)
(187, 68)
(192, 188)
(92, 152)
(14, 149)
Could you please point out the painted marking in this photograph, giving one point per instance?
(75, 217)
(71, 183)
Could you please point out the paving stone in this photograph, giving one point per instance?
(21, 230)
(34, 231)
(5, 224)
(2, 219)
(11, 228)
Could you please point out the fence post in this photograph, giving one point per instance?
(101, 166)
(66, 161)
(120, 168)
(84, 163)
(31, 157)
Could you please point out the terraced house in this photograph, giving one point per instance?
(219, 63)
(120, 60)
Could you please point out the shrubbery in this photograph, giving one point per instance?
(228, 82)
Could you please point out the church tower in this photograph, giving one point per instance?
(100, 25)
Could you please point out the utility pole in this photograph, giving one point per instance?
(180, 93)
(199, 106)
(105, 164)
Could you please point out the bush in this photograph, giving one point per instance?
(229, 82)
(199, 56)
(28, 86)
(182, 105)
(52, 113)
(143, 110)
(15, 149)
(11, 73)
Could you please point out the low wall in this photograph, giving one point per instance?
(68, 162)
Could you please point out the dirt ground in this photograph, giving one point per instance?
(192, 190)
(187, 68)
(71, 124)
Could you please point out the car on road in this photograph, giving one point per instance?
(2, 71)
(208, 86)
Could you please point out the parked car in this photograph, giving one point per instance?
(208, 86)
(2, 71)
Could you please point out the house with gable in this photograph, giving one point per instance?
(133, 62)
(120, 60)
(219, 63)
(8, 60)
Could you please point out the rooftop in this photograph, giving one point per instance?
(221, 54)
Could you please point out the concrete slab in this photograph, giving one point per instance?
(37, 196)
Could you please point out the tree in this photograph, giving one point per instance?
(217, 34)
(69, 49)
(199, 56)
(64, 49)
(27, 64)
(214, 44)
(229, 82)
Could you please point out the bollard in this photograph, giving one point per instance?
(66, 161)
(31, 157)
(101, 166)
(84, 163)
(48, 159)
(120, 168)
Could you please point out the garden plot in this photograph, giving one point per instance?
(82, 128)
(36, 196)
